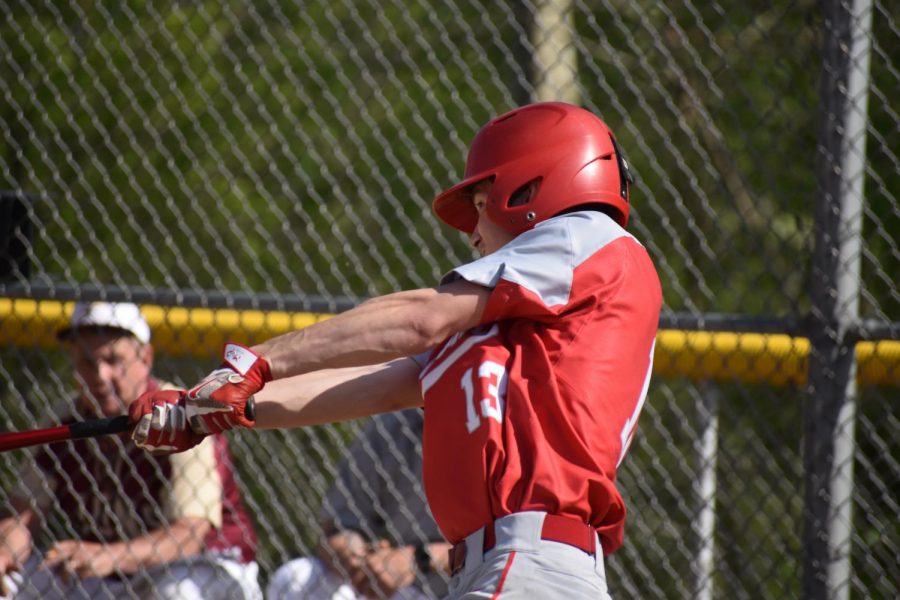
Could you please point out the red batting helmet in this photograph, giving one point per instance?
(568, 153)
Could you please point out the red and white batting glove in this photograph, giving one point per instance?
(161, 422)
(222, 401)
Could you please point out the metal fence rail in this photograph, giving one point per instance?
(240, 169)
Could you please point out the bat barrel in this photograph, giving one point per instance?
(24, 439)
(50, 435)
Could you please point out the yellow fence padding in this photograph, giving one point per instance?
(198, 332)
(773, 359)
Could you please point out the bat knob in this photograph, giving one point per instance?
(250, 409)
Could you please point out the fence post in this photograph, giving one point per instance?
(705, 522)
(829, 442)
(555, 62)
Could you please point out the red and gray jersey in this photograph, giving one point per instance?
(535, 408)
(107, 489)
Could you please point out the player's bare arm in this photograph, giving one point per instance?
(182, 539)
(334, 395)
(384, 328)
(380, 330)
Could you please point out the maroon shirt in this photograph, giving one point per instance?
(110, 490)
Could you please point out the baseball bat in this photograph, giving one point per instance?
(74, 431)
(82, 429)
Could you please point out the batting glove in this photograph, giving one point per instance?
(161, 422)
(223, 400)
(173, 421)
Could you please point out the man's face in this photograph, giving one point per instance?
(487, 237)
(112, 368)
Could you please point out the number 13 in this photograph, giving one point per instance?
(491, 386)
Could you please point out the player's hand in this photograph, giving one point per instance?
(160, 420)
(387, 569)
(220, 401)
(344, 553)
(170, 421)
(73, 558)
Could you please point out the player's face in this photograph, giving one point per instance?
(487, 237)
(112, 369)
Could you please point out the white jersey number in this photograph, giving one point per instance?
(490, 385)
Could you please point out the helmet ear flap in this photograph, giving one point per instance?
(626, 178)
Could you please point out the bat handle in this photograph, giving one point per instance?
(97, 427)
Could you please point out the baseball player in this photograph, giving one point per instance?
(532, 362)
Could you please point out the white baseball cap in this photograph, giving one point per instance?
(107, 315)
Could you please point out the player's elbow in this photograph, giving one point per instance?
(435, 325)
(431, 315)
(428, 329)
(450, 310)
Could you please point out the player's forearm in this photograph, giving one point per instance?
(182, 539)
(338, 394)
(376, 331)
(379, 330)
(398, 325)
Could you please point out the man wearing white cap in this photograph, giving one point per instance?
(136, 525)
(112, 355)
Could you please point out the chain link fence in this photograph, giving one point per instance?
(242, 169)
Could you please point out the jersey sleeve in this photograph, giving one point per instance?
(531, 276)
(196, 487)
